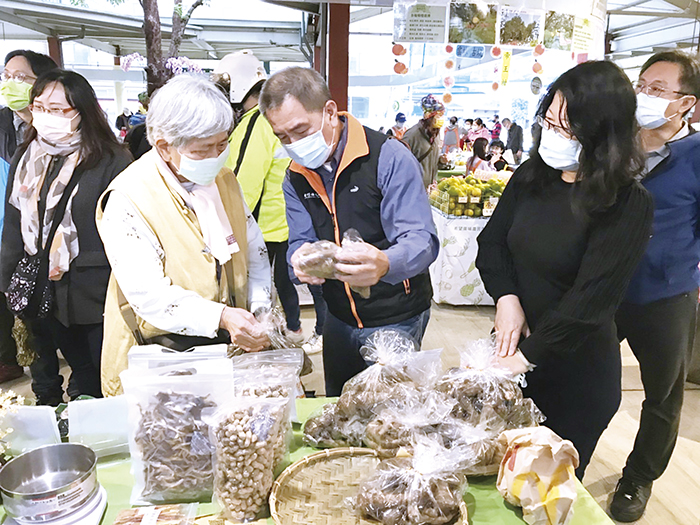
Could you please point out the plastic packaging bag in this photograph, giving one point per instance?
(401, 419)
(425, 489)
(275, 383)
(284, 358)
(538, 474)
(397, 366)
(158, 515)
(101, 424)
(483, 389)
(32, 427)
(326, 428)
(319, 259)
(168, 439)
(155, 356)
(245, 432)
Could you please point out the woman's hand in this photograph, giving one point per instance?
(510, 324)
(243, 329)
(516, 364)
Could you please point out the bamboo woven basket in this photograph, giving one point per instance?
(312, 491)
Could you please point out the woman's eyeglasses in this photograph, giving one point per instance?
(59, 112)
(17, 77)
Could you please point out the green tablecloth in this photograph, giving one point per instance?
(485, 504)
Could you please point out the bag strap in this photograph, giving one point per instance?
(129, 317)
(246, 139)
(422, 157)
(241, 153)
(61, 210)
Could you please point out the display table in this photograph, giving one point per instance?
(454, 275)
(459, 171)
(485, 504)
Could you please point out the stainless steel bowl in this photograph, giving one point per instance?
(49, 482)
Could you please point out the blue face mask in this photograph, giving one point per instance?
(311, 151)
(202, 171)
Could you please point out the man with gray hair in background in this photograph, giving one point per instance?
(343, 176)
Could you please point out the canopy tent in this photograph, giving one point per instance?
(122, 34)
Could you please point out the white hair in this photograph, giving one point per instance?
(188, 107)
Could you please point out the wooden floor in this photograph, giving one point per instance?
(676, 496)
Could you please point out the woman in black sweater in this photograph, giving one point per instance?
(70, 142)
(561, 248)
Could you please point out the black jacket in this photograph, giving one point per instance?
(8, 140)
(79, 296)
(515, 138)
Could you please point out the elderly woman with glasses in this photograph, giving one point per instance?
(53, 266)
(188, 259)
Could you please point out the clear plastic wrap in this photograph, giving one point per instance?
(159, 515)
(101, 424)
(156, 356)
(397, 366)
(275, 383)
(319, 259)
(425, 489)
(245, 432)
(284, 358)
(168, 438)
(396, 424)
(484, 390)
(326, 428)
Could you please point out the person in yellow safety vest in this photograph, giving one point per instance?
(259, 162)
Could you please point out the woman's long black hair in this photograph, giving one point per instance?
(97, 139)
(480, 147)
(600, 111)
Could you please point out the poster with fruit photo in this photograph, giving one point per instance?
(520, 27)
(558, 31)
(472, 23)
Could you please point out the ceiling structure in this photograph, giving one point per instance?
(121, 35)
(636, 29)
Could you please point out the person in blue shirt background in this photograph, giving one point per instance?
(22, 67)
(658, 315)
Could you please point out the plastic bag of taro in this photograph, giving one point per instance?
(398, 365)
(326, 428)
(319, 259)
(246, 432)
(486, 394)
(426, 488)
(400, 419)
(168, 438)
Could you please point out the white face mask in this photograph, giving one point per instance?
(202, 171)
(55, 129)
(311, 151)
(651, 111)
(558, 152)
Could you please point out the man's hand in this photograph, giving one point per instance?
(243, 329)
(510, 324)
(361, 264)
(302, 276)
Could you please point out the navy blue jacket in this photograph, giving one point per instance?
(670, 265)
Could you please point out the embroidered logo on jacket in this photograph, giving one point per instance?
(312, 195)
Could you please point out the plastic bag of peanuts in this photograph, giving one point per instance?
(245, 433)
(275, 383)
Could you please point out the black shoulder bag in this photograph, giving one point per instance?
(30, 294)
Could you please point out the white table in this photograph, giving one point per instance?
(454, 275)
